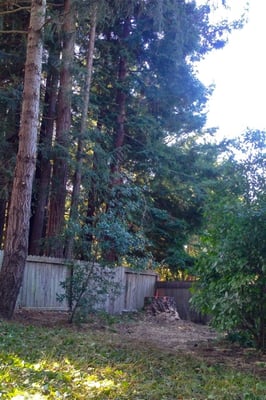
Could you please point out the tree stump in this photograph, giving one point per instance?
(157, 305)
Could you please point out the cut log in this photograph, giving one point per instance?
(156, 305)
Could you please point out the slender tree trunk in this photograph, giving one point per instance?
(121, 105)
(119, 140)
(16, 245)
(83, 128)
(43, 170)
(262, 322)
(3, 205)
(56, 217)
(7, 163)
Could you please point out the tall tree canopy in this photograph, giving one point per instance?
(121, 110)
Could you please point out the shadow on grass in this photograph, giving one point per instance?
(47, 363)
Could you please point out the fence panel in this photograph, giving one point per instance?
(41, 284)
(137, 284)
(115, 304)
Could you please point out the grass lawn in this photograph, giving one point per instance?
(38, 362)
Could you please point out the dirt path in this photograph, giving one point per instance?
(161, 330)
(164, 333)
(195, 340)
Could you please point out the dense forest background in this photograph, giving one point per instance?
(120, 169)
(104, 156)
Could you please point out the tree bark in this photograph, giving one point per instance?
(43, 170)
(16, 246)
(56, 217)
(3, 205)
(119, 139)
(83, 127)
(121, 105)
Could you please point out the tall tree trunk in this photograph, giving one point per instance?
(16, 245)
(43, 169)
(119, 140)
(10, 120)
(83, 127)
(56, 215)
(3, 205)
(121, 105)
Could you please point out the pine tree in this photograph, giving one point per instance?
(56, 213)
(13, 24)
(73, 216)
(43, 169)
(16, 245)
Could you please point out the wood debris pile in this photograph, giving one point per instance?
(162, 307)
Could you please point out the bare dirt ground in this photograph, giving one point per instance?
(162, 332)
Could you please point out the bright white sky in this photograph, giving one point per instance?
(239, 74)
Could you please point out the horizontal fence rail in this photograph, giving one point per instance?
(41, 285)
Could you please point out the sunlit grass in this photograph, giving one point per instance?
(44, 363)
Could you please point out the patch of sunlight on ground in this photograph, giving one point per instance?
(27, 396)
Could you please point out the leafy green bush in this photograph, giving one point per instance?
(113, 237)
(87, 288)
(232, 267)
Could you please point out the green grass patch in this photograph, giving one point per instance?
(60, 363)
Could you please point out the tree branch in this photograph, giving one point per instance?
(15, 31)
(15, 10)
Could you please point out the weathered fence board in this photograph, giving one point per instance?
(41, 284)
(137, 283)
(115, 304)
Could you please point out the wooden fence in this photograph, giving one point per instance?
(180, 290)
(41, 284)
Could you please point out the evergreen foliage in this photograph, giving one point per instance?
(142, 172)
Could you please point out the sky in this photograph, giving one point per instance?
(239, 74)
